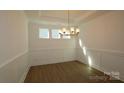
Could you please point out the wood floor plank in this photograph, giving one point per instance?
(67, 72)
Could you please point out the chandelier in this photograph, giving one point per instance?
(69, 30)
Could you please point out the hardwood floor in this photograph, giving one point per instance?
(68, 72)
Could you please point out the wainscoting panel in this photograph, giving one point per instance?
(95, 58)
(113, 62)
(103, 60)
(14, 71)
(49, 56)
(80, 55)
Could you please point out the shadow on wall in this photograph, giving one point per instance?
(84, 49)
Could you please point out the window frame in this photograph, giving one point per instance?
(52, 34)
(43, 37)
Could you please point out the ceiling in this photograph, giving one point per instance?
(60, 17)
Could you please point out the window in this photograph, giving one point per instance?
(55, 34)
(44, 33)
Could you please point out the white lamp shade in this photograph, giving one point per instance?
(72, 28)
(60, 31)
(64, 29)
(77, 30)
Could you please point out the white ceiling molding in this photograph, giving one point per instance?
(49, 21)
(81, 17)
(93, 15)
(59, 17)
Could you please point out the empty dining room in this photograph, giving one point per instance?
(61, 46)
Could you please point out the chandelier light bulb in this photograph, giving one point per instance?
(64, 29)
(60, 31)
(72, 28)
(77, 30)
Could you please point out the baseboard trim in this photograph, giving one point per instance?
(24, 75)
(54, 63)
(100, 69)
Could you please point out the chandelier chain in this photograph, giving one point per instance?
(68, 19)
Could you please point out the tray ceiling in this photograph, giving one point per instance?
(60, 16)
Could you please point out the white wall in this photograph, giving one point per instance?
(103, 40)
(49, 51)
(13, 46)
